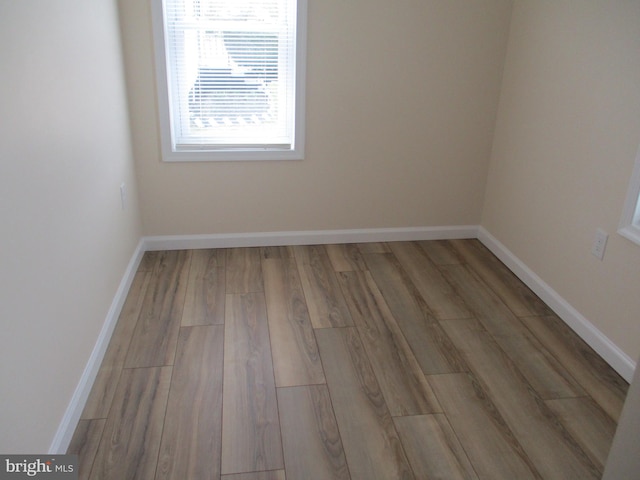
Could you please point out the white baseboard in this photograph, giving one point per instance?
(73, 413)
(619, 361)
(70, 420)
(311, 237)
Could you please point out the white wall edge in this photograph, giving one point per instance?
(310, 237)
(70, 420)
(611, 353)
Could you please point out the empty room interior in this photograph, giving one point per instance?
(439, 286)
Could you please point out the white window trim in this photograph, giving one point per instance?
(248, 154)
(630, 222)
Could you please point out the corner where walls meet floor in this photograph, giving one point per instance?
(613, 355)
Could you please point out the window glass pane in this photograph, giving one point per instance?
(630, 222)
(231, 69)
(636, 215)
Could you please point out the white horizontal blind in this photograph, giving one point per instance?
(231, 73)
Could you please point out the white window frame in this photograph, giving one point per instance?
(171, 154)
(630, 222)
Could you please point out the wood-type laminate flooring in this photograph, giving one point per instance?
(386, 361)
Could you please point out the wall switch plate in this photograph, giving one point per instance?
(599, 243)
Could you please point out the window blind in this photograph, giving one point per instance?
(231, 73)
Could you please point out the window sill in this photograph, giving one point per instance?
(630, 232)
(232, 156)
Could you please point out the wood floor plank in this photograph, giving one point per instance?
(277, 252)
(310, 254)
(515, 294)
(547, 376)
(435, 290)
(296, 360)
(555, 453)
(431, 346)
(156, 334)
(270, 475)
(371, 444)
(481, 301)
(492, 448)
(131, 437)
(148, 261)
(433, 448)
(326, 304)
(441, 252)
(84, 443)
(250, 427)
(588, 424)
(190, 447)
(495, 376)
(597, 378)
(401, 380)
(204, 298)
(310, 436)
(345, 257)
(243, 270)
(106, 382)
(373, 247)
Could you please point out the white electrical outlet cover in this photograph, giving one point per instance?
(599, 243)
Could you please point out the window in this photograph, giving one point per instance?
(630, 223)
(230, 78)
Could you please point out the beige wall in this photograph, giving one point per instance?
(567, 134)
(401, 108)
(401, 102)
(64, 150)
